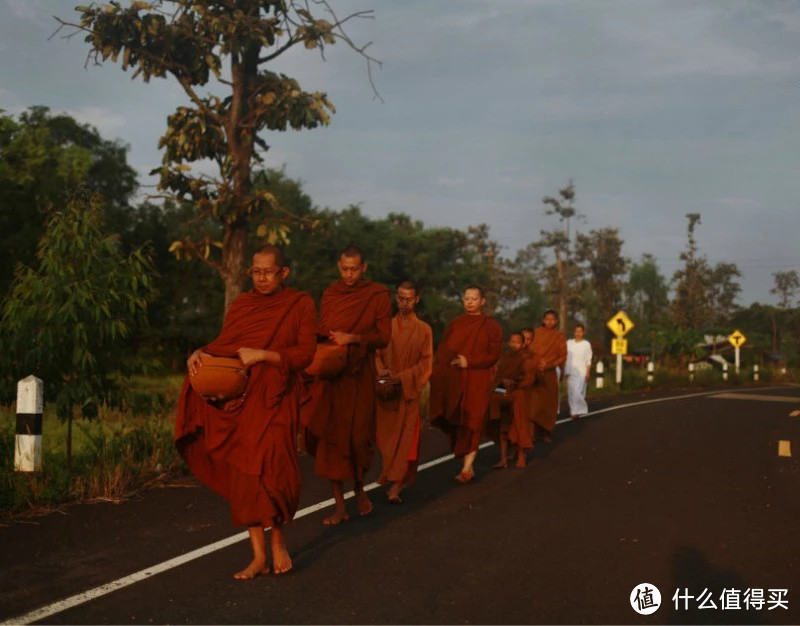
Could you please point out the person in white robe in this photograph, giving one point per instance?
(577, 371)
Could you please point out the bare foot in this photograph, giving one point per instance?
(500, 465)
(394, 494)
(363, 504)
(337, 518)
(521, 462)
(547, 439)
(256, 568)
(281, 561)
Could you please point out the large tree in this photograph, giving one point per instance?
(233, 43)
(601, 251)
(561, 277)
(646, 292)
(44, 158)
(690, 306)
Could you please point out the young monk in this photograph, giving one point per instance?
(406, 364)
(339, 414)
(549, 351)
(577, 371)
(461, 380)
(508, 404)
(527, 334)
(245, 450)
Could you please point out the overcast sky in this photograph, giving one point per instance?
(654, 108)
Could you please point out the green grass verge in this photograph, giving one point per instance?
(111, 455)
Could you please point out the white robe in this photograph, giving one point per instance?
(579, 360)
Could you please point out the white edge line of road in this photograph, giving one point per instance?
(126, 581)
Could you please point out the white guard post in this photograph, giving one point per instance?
(691, 372)
(30, 404)
(650, 369)
(725, 371)
(755, 372)
(599, 370)
(619, 369)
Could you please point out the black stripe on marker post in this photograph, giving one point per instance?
(29, 423)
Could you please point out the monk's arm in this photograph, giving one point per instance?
(561, 354)
(379, 335)
(301, 353)
(414, 378)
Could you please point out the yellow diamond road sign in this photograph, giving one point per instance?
(620, 324)
(619, 346)
(737, 338)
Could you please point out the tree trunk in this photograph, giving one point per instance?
(234, 261)
(562, 293)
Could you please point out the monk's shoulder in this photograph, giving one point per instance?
(494, 326)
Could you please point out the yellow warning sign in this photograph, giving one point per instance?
(620, 324)
(619, 346)
(737, 338)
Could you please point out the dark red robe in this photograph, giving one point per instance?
(550, 345)
(339, 413)
(247, 452)
(460, 397)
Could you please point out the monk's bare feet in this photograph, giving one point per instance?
(393, 494)
(521, 462)
(256, 568)
(338, 517)
(281, 561)
(500, 465)
(363, 503)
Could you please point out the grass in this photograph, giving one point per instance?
(113, 455)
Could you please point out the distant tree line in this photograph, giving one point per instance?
(46, 159)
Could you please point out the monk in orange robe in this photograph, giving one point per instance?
(549, 351)
(508, 405)
(339, 413)
(405, 365)
(462, 376)
(246, 449)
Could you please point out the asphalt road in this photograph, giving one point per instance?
(686, 494)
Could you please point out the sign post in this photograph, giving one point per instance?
(620, 325)
(30, 405)
(737, 339)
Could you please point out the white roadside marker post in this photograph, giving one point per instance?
(691, 372)
(725, 371)
(650, 369)
(28, 445)
(599, 370)
(755, 372)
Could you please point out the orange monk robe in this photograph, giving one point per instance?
(339, 413)
(460, 397)
(551, 345)
(247, 452)
(409, 357)
(510, 412)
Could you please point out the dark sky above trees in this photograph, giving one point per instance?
(656, 109)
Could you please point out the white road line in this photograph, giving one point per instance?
(758, 397)
(92, 594)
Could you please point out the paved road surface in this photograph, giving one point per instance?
(685, 494)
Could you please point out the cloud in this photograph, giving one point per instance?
(104, 120)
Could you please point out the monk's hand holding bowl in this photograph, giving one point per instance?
(342, 339)
(460, 361)
(249, 356)
(194, 362)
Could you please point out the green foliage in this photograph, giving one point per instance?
(68, 320)
(43, 159)
(190, 41)
(111, 456)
